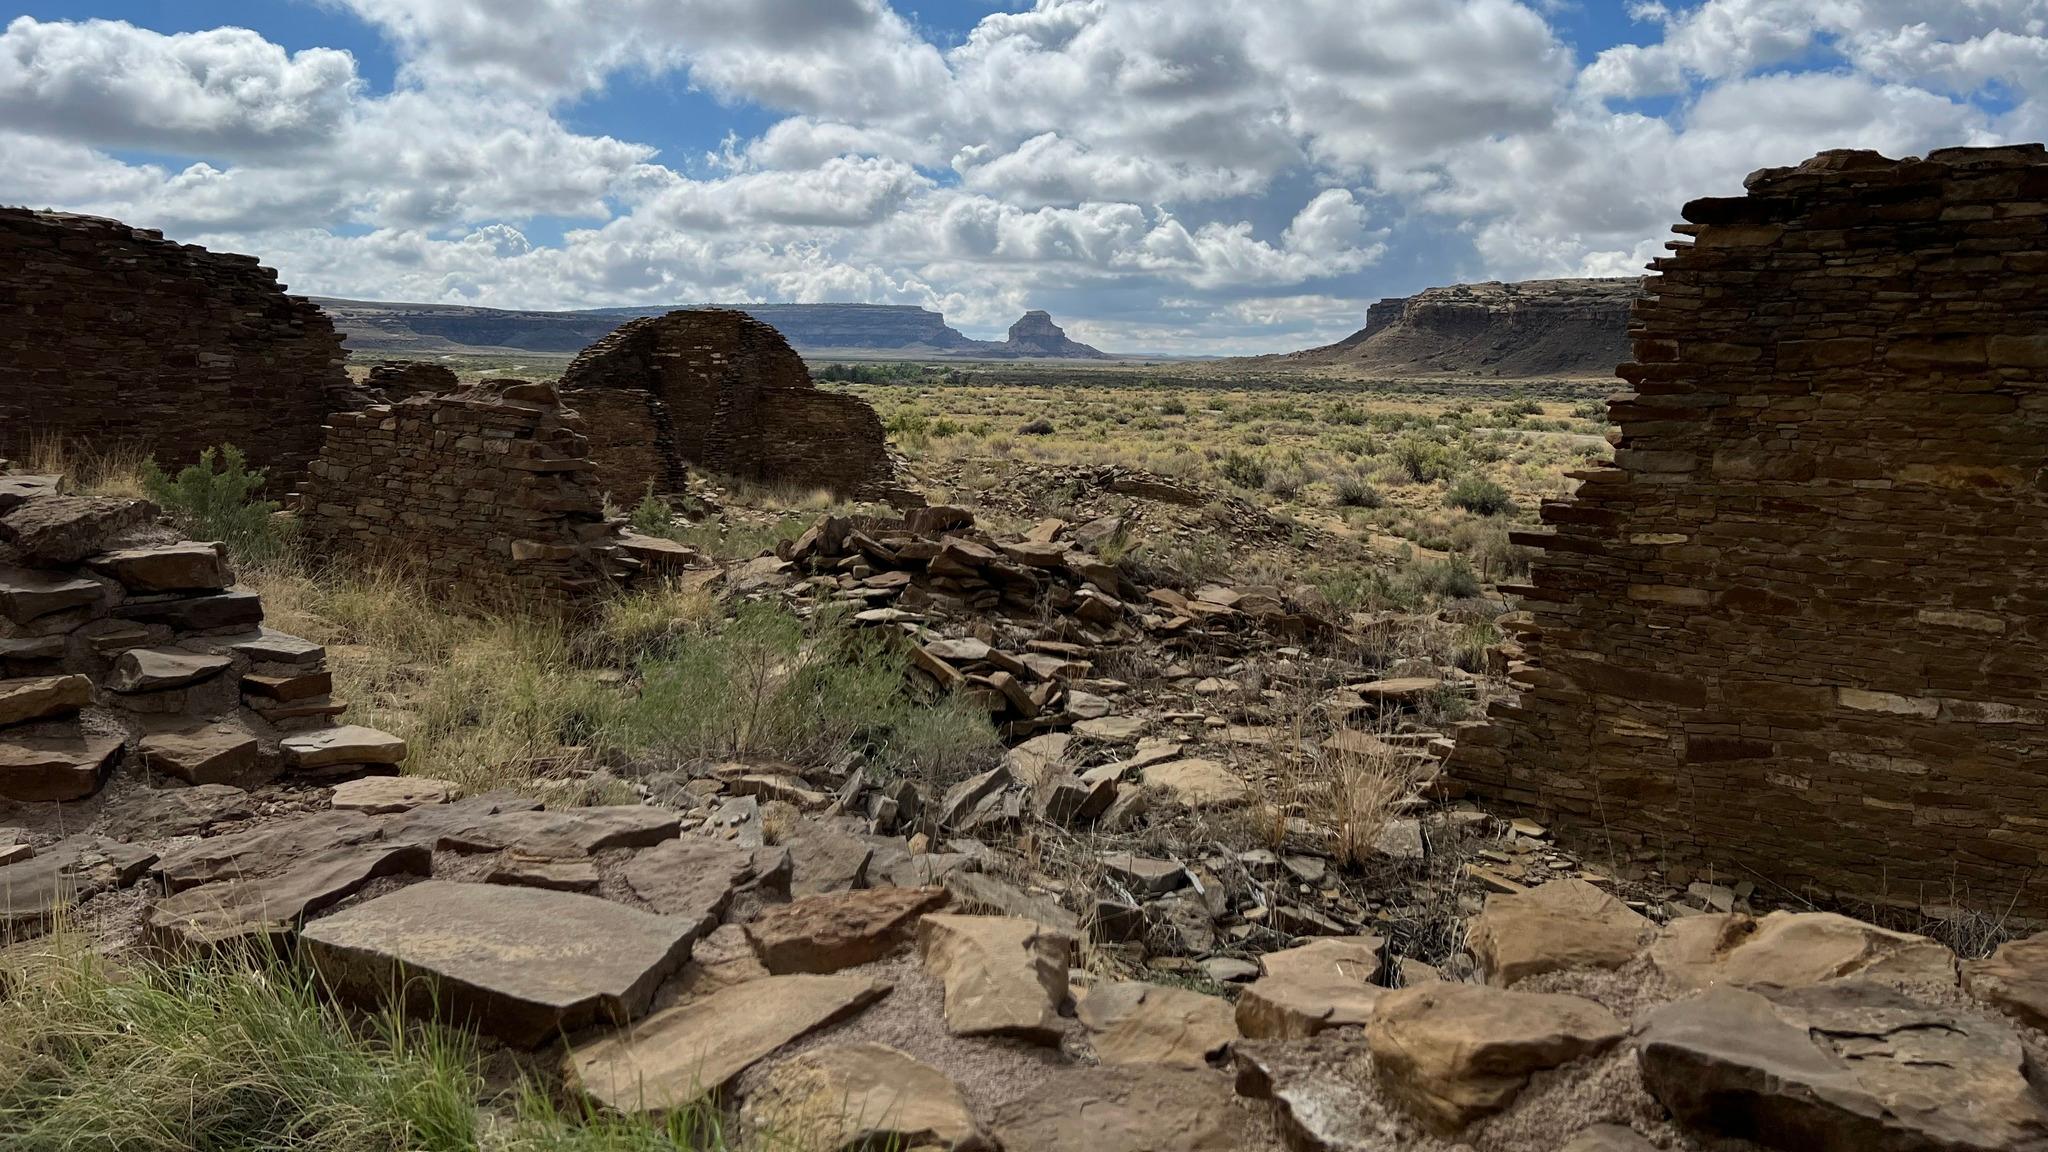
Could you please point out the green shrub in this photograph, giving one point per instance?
(1478, 495)
(1450, 579)
(1423, 458)
(1173, 406)
(1244, 469)
(216, 499)
(1357, 492)
(653, 515)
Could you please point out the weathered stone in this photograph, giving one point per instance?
(697, 877)
(166, 812)
(1004, 976)
(27, 594)
(55, 767)
(1144, 875)
(1323, 984)
(264, 850)
(214, 754)
(1793, 949)
(561, 833)
(860, 1096)
(186, 567)
(382, 795)
(195, 613)
(60, 876)
(1452, 1053)
(552, 874)
(826, 859)
(976, 892)
(826, 933)
(1113, 729)
(270, 646)
(1199, 783)
(41, 697)
(57, 530)
(350, 744)
(682, 1054)
(963, 798)
(2014, 979)
(263, 913)
(162, 669)
(1842, 1067)
(1558, 925)
(1138, 1108)
(1608, 1138)
(289, 689)
(522, 964)
(1138, 1023)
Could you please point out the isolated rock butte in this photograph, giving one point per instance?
(522, 964)
(1531, 328)
(1035, 335)
(721, 391)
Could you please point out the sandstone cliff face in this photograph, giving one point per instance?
(1533, 328)
(1036, 335)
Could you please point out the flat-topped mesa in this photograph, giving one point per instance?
(118, 337)
(1035, 335)
(719, 390)
(483, 491)
(121, 644)
(1799, 630)
(1535, 328)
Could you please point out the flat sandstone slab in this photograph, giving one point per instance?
(523, 964)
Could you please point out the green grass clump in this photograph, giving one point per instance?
(216, 499)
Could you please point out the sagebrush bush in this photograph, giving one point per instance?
(1354, 491)
(1244, 469)
(1478, 495)
(1423, 459)
(216, 499)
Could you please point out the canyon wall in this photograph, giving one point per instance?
(1798, 631)
(721, 391)
(1536, 328)
(117, 337)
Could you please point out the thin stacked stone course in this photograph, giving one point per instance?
(115, 336)
(483, 491)
(718, 390)
(1796, 631)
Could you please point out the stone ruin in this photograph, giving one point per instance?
(483, 491)
(719, 390)
(389, 381)
(120, 337)
(1797, 630)
(122, 644)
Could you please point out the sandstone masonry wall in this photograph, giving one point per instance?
(1797, 631)
(720, 390)
(484, 491)
(115, 335)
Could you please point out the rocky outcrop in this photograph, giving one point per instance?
(1797, 629)
(1535, 328)
(120, 338)
(1036, 336)
(720, 391)
(483, 491)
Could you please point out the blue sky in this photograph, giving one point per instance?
(1203, 176)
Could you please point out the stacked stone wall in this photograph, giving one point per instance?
(1796, 632)
(484, 492)
(116, 337)
(719, 390)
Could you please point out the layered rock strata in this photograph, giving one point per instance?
(119, 337)
(718, 390)
(1797, 629)
(483, 491)
(1534, 328)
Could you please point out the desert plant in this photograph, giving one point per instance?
(216, 499)
(1355, 491)
(1038, 427)
(1244, 469)
(1480, 496)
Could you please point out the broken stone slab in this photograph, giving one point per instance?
(822, 934)
(55, 766)
(522, 964)
(1398, 689)
(162, 669)
(1453, 1053)
(213, 754)
(1137, 1023)
(42, 697)
(696, 876)
(963, 798)
(1003, 975)
(326, 749)
(1793, 949)
(263, 913)
(1144, 875)
(696, 1049)
(383, 795)
(561, 833)
(268, 646)
(1326, 983)
(264, 850)
(18, 488)
(962, 651)
(1136, 1108)
(203, 613)
(553, 875)
(1199, 783)
(56, 530)
(1560, 925)
(183, 567)
(1113, 729)
(978, 892)
(288, 689)
(26, 594)
(2014, 980)
(1841, 1067)
(62, 875)
(853, 1096)
(826, 859)
(166, 812)
(1070, 800)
